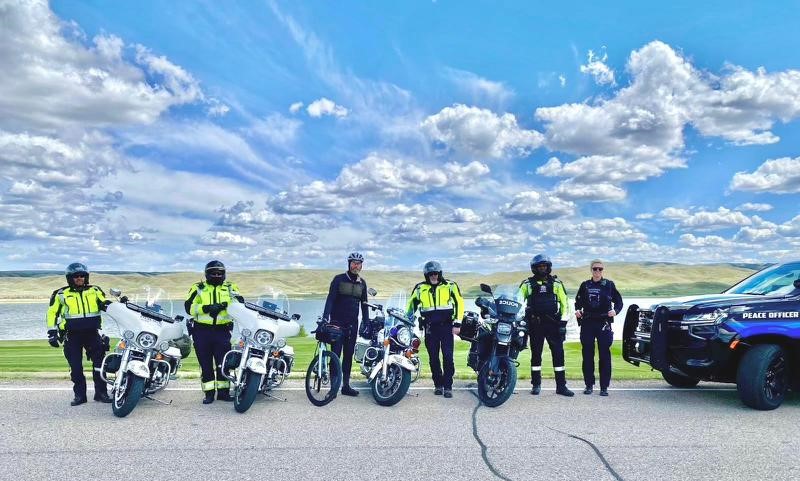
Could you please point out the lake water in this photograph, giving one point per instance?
(27, 321)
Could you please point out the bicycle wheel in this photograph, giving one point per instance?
(321, 390)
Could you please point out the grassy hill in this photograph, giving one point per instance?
(632, 279)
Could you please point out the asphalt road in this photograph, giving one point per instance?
(643, 430)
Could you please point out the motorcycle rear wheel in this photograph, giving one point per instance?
(127, 396)
(390, 391)
(245, 395)
(321, 391)
(495, 388)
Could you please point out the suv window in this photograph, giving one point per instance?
(775, 280)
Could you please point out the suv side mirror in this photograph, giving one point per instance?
(372, 292)
(486, 288)
(115, 292)
(797, 283)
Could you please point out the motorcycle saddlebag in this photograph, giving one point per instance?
(469, 326)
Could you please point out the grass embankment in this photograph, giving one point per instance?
(646, 279)
(37, 360)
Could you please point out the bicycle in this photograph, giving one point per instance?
(324, 374)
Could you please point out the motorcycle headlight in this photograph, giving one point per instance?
(146, 340)
(503, 329)
(246, 332)
(403, 336)
(263, 337)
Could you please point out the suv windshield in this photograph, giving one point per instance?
(774, 280)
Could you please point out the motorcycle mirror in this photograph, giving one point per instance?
(179, 318)
(115, 292)
(486, 288)
(295, 317)
(372, 292)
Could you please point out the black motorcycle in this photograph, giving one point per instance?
(497, 337)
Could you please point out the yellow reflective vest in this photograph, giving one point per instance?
(204, 294)
(74, 310)
(437, 303)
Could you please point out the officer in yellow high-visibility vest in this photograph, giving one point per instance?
(74, 316)
(207, 302)
(440, 303)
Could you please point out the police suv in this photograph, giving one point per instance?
(749, 335)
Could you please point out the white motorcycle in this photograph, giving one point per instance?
(388, 350)
(260, 360)
(145, 358)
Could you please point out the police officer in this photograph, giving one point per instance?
(440, 303)
(347, 294)
(546, 301)
(74, 316)
(596, 304)
(207, 302)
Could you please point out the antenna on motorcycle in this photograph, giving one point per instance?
(485, 288)
(372, 292)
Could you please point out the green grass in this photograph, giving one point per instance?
(36, 359)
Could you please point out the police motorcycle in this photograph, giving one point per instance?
(147, 355)
(497, 336)
(387, 349)
(260, 360)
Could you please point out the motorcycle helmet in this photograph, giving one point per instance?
(76, 268)
(431, 267)
(215, 273)
(541, 259)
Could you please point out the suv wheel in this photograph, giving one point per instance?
(762, 377)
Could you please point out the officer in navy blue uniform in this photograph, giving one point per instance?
(348, 293)
(596, 304)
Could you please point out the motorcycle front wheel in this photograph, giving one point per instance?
(127, 395)
(322, 390)
(494, 388)
(389, 391)
(245, 395)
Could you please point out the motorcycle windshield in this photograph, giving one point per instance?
(509, 302)
(153, 299)
(274, 300)
(396, 309)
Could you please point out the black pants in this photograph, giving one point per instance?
(347, 343)
(439, 337)
(591, 331)
(74, 345)
(549, 331)
(211, 344)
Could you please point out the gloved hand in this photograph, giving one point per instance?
(213, 310)
(562, 330)
(607, 326)
(123, 299)
(52, 337)
(104, 305)
(190, 326)
(105, 343)
(240, 298)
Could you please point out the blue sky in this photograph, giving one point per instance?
(157, 136)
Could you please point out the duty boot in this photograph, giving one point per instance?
(438, 391)
(102, 397)
(209, 397)
(348, 391)
(224, 395)
(588, 390)
(561, 384)
(536, 389)
(448, 393)
(77, 401)
(603, 391)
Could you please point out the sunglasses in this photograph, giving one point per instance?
(597, 269)
(82, 276)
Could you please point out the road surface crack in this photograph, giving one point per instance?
(596, 451)
(484, 448)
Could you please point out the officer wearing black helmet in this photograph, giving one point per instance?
(346, 296)
(546, 301)
(440, 303)
(207, 302)
(74, 316)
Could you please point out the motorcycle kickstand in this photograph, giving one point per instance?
(272, 396)
(165, 403)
